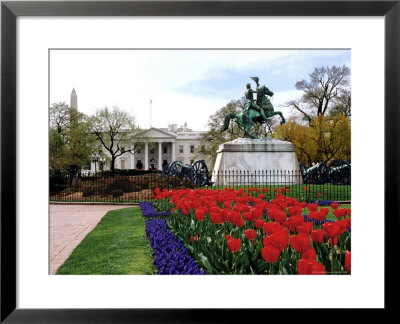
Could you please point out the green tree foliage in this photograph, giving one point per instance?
(117, 132)
(57, 151)
(70, 140)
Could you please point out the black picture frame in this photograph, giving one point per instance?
(10, 10)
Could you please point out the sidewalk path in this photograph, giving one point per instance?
(69, 224)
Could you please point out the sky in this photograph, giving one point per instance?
(183, 85)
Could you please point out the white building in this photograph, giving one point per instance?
(165, 146)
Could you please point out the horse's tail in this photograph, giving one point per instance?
(227, 120)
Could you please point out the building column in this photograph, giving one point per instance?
(133, 158)
(173, 157)
(146, 156)
(159, 156)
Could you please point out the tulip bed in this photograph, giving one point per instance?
(241, 232)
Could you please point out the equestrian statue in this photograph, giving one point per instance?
(255, 111)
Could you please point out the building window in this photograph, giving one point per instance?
(191, 148)
(122, 164)
(180, 148)
(152, 151)
(122, 148)
(138, 151)
(165, 149)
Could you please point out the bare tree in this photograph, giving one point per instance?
(117, 132)
(59, 116)
(322, 92)
(342, 104)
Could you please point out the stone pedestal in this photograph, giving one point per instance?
(246, 161)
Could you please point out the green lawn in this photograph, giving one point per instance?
(327, 191)
(330, 216)
(116, 246)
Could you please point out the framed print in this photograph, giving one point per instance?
(31, 31)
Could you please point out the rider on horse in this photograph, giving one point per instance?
(250, 101)
(254, 112)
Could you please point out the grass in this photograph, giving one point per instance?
(116, 246)
(328, 191)
(330, 216)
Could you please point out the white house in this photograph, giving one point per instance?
(165, 146)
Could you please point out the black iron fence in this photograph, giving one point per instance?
(119, 188)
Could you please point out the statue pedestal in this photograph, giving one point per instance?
(246, 161)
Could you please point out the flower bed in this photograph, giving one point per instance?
(170, 255)
(238, 232)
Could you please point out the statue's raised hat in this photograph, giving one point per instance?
(255, 79)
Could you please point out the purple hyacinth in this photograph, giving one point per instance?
(149, 211)
(170, 255)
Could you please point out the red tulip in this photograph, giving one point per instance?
(309, 254)
(300, 242)
(295, 221)
(310, 267)
(250, 234)
(270, 228)
(318, 236)
(216, 217)
(196, 238)
(347, 261)
(259, 223)
(312, 207)
(234, 245)
(279, 239)
(200, 214)
(305, 228)
(331, 229)
(334, 205)
(270, 254)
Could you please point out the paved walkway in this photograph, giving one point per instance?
(69, 224)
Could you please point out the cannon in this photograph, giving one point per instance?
(196, 173)
(317, 174)
(337, 172)
(340, 172)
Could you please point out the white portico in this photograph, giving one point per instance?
(153, 154)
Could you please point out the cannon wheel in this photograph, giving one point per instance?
(165, 171)
(340, 172)
(174, 169)
(200, 173)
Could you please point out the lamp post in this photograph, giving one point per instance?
(95, 159)
(102, 161)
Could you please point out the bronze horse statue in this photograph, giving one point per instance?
(256, 112)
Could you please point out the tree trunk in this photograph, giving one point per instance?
(112, 164)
